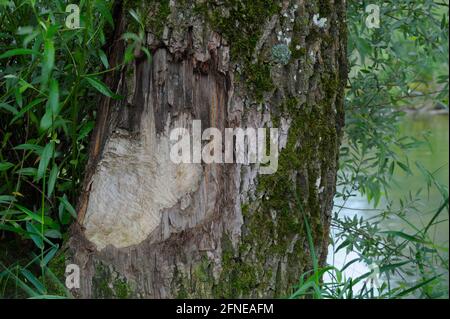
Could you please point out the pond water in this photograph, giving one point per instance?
(435, 157)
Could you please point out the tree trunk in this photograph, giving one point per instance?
(150, 228)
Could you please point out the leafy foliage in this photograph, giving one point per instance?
(49, 78)
(50, 81)
(404, 62)
(392, 66)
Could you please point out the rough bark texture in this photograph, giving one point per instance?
(149, 228)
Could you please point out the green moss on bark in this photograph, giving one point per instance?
(241, 24)
(108, 284)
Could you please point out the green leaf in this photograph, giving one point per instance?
(105, 12)
(404, 236)
(6, 199)
(394, 266)
(27, 171)
(416, 287)
(15, 52)
(129, 54)
(8, 108)
(49, 256)
(147, 53)
(101, 87)
(26, 109)
(5, 166)
(35, 235)
(30, 214)
(52, 180)
(18, 96)
(136, 17)
(24, 30)
(391, 169)
(85, 130)
(68, 206)
(103, 58)
(45, 160)
(53, 278)
(53, 98)
(30, 147)
(53, 233)
(31, 278)
(47, 120)
(404, 167)
(344, 244)
(49, 58)
(13, 229)
(435, 216)
(19, 282)
(131, 36)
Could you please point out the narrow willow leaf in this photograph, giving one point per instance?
(68, 206)
(30, 147)
(27, 171)
(416, 287)
(53, 233)
(52, 180)
(8, 108)
(5, 166)
(13, 229)
(30, 214)
(18, 96)
(26, 108)
(103, 58)
(136, 17)
(53, 98)
(34, 281)
(49, 59)
(45, 160)
(147, 53)
(47, 120)
(404, 236)
(49, 256)
(404, 167)
(6, 199)
(344, 244)
(19, 281)
(101, 87)
(85, 130)
(392, 267)
(435, 216)
(35, 236)
(131, 36)
(15, 52)
(105, 12)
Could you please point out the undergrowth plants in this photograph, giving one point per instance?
(49, 81)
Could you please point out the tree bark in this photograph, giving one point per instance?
(149, 228)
